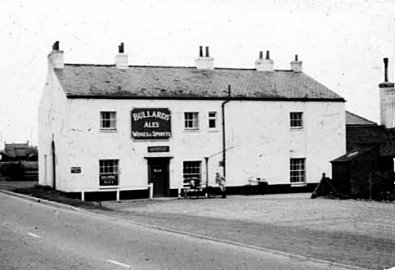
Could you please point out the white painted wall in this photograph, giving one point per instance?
(53, 114)
(264, 142)
(258, 132)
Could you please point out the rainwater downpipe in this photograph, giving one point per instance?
(223, 131)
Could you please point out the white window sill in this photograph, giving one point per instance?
(296, 128)
(298, 184)
(213, 130)
(108, 130)
(191, 130)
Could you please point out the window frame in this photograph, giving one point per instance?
(297, 170)
(212, 118)
(195, 175)
(194, 121)
(108, 169)
(296, 122)
(109, 119)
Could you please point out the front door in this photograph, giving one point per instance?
(158, 174)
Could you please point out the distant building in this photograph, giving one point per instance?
(18, 151)
(120, 127)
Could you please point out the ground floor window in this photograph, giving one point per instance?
(297, 171)
(192, 172)
(109, 171)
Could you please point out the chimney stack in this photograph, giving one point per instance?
(264, 64)
(204, 62)
(121, 59)
(55, 58)
(296, 65)
(387, 100)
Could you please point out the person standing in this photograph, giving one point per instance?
(220, 180)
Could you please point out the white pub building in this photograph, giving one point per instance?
(118, 128)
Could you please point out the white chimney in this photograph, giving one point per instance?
(204, 62)
(264, 64)
(387, 100)
(55, 58)
(296, 65)
(121, 59)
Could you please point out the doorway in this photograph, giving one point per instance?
(158, 174)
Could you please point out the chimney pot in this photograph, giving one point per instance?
(200, 51)
(260, 55)
(55, 46)
(207, 52)
(385, 69)
(121, 48)
(296, 57)
(267, 55)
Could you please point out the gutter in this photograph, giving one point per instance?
(223, 131)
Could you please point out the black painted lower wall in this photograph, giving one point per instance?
(239, 190)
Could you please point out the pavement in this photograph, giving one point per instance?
(331, 232)
(40, 236)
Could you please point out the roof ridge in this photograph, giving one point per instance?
(158, 66)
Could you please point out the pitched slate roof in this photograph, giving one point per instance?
(353, 119)
(355, 153)
(107, 81)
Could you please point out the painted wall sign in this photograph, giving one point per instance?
(154, 149)
(75, 170)
(151, 123)
(109, 180)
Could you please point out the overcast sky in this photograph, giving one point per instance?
(341, 43)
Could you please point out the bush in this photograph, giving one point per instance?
(11, 170)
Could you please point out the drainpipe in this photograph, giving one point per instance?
(223, 131)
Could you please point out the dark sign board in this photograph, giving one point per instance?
(152, 149)
(75, 169)
(151, 123)
(109, 180)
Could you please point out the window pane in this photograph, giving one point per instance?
(191, 171)
(296, 119)
(297, 170)
(191, 120)
(108, 120)
(212, 119)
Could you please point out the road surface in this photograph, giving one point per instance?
(38, 236)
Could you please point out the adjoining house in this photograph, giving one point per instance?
(368, 167)
(118, 128)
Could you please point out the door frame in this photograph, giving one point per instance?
(166, 162)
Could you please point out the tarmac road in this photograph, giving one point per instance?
(38, 236)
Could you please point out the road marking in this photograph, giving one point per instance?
(33, 234)
(126, 266)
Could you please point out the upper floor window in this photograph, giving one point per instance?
(296, 119)
(191, 120)
(108, 120)
(212, 120)
(297, 171)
